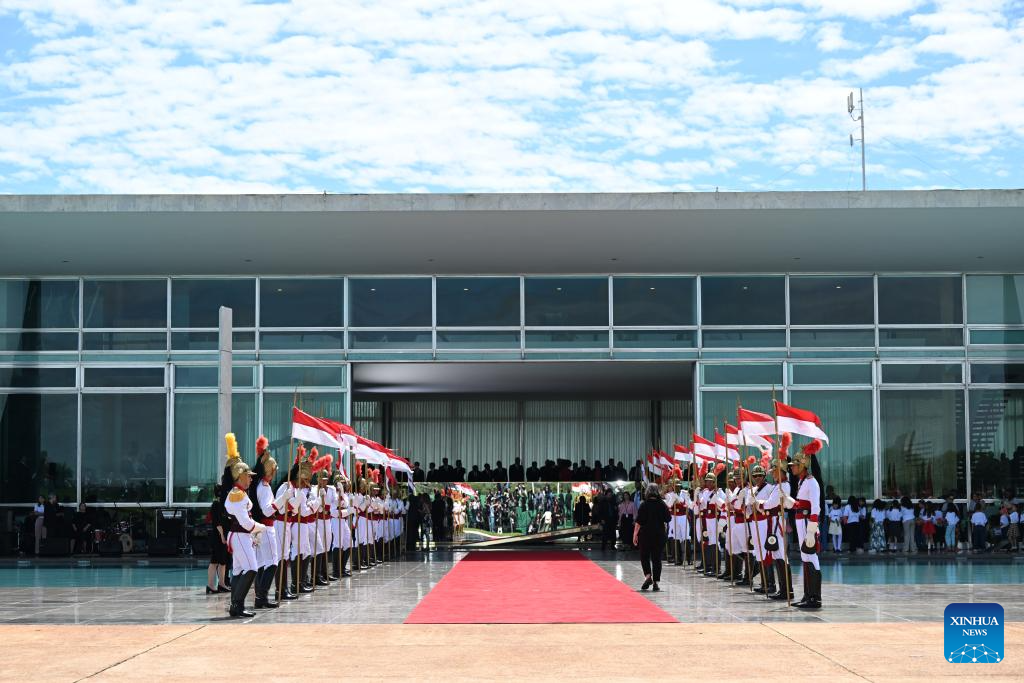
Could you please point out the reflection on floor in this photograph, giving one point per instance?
(388, 593)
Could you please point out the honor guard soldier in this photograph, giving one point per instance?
(678, 502)
(808, 509)
(285, 526)
(758, 495)
(323, 522)
(739, 528)
(709, 515)
(775, 541)
(244, 532)
(302, 539)
(345, 513)
(268, 553)
(361, 505)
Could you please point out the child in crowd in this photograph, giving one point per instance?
(928, 527)
(836, 519)
(893, 526)
(952, 520)
(877, 527)
(979, 530)
(1013, 533)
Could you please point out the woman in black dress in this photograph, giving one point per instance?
(215, 581)
(649, 533)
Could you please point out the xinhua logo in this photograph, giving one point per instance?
(974, 633)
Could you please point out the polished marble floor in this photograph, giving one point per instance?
(853, 592)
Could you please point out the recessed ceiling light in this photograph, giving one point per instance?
(279, 289)
(745, 288)
(559, 289)
(652, 289)
(373, 289)
(839, 286)
(465, 289)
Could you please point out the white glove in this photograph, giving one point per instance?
(314, 505)
(812, 528)
(296, 500)
(788, 501)
(282, 499)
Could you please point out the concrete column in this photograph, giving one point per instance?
(224, 375)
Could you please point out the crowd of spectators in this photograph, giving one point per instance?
(551, 470)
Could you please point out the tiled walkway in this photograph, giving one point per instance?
(386, 595)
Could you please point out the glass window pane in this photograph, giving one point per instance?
(655, 339)
(997, 441)
(390, 339)
(276, 341)
(999, 337)
(389, 302)
(125, 303)
(123, 448)
(304, 376)
(477, 340)
(567, 339)
(207, 341)
(922, 443)
(198, 448)
(38, 446)
(934, 336)
(207, 376)
(277, 418)
(741, 300)
(566, 301)
(934, 373)
(815, 300)
(744, 339)
(33, 378)
(124, 341)
(847, 462)
(740, 374)
(35, 304)
(995, 299)
(831, 373)
(38, 341)
(478, 301)
(831, 338)
(718, 407)
(654, 300)
(997, 373)
(124, 377)
(196, 303)
(302, 303)
(920, 300)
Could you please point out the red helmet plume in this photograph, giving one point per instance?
(261, 444)
(300, 453)
(719, 468)
(812, 448)
(323, 463)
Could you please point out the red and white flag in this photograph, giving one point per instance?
(346, 434)
(799, 421)
(682, 453)
(397, 462)
(654, 464)
(703, 449)
(755, 424)
(666, 462)
(316, 430)
(737, 437)
(722, 449)
(371, 452)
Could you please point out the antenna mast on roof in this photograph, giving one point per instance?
(860, 117)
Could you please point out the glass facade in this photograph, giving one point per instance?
(106, 384)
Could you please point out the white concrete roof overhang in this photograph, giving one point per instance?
(941, 230)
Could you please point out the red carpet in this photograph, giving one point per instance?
(544, 587)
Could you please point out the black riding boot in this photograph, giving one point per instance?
(725, 573)
(679, 553)
(305, 566)
(805, 580)
(281, 575)
(364, 557)
(261, 600)
(264, 583)
(239, 589)
(335, 565)
(813, 586)
(745, 571)
(784, 577)
(344, 562)
(767, 586)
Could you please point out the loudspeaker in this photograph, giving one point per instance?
(109, 548)
(55, 547)
(163, 547)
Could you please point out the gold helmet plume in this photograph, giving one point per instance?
(234, 463)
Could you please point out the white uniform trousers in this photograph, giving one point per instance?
(737, 536)
(801, 532)
(269, 550)
(243, 555)
(760, 535)
(711, 527)
(302, 540)
(335, 533)
(679, 528)
(362, 530)
(345, 537)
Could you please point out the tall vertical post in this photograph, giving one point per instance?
(863, 163)
(224, 372)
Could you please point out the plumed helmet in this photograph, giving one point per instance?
(757, 471)
(238, 468)
(710, 478)
(234, 464)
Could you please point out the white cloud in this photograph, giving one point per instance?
(830, 38)
(873, 66)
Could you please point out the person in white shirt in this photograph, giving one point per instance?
(1013, 532)
(893, 526)
(952, 520)
(979, 530)
(908, 520)
(877, 527)
(836, 518)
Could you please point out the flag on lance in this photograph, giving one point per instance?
(316, 430)
(703, 449)
(682, 453)
(799, 421)
(654, 464)
(737, 437)
(723, 450)
(346, 434)
(665, 461)
(370, 451)
(755, 424)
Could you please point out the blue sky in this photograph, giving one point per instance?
(507, 95)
